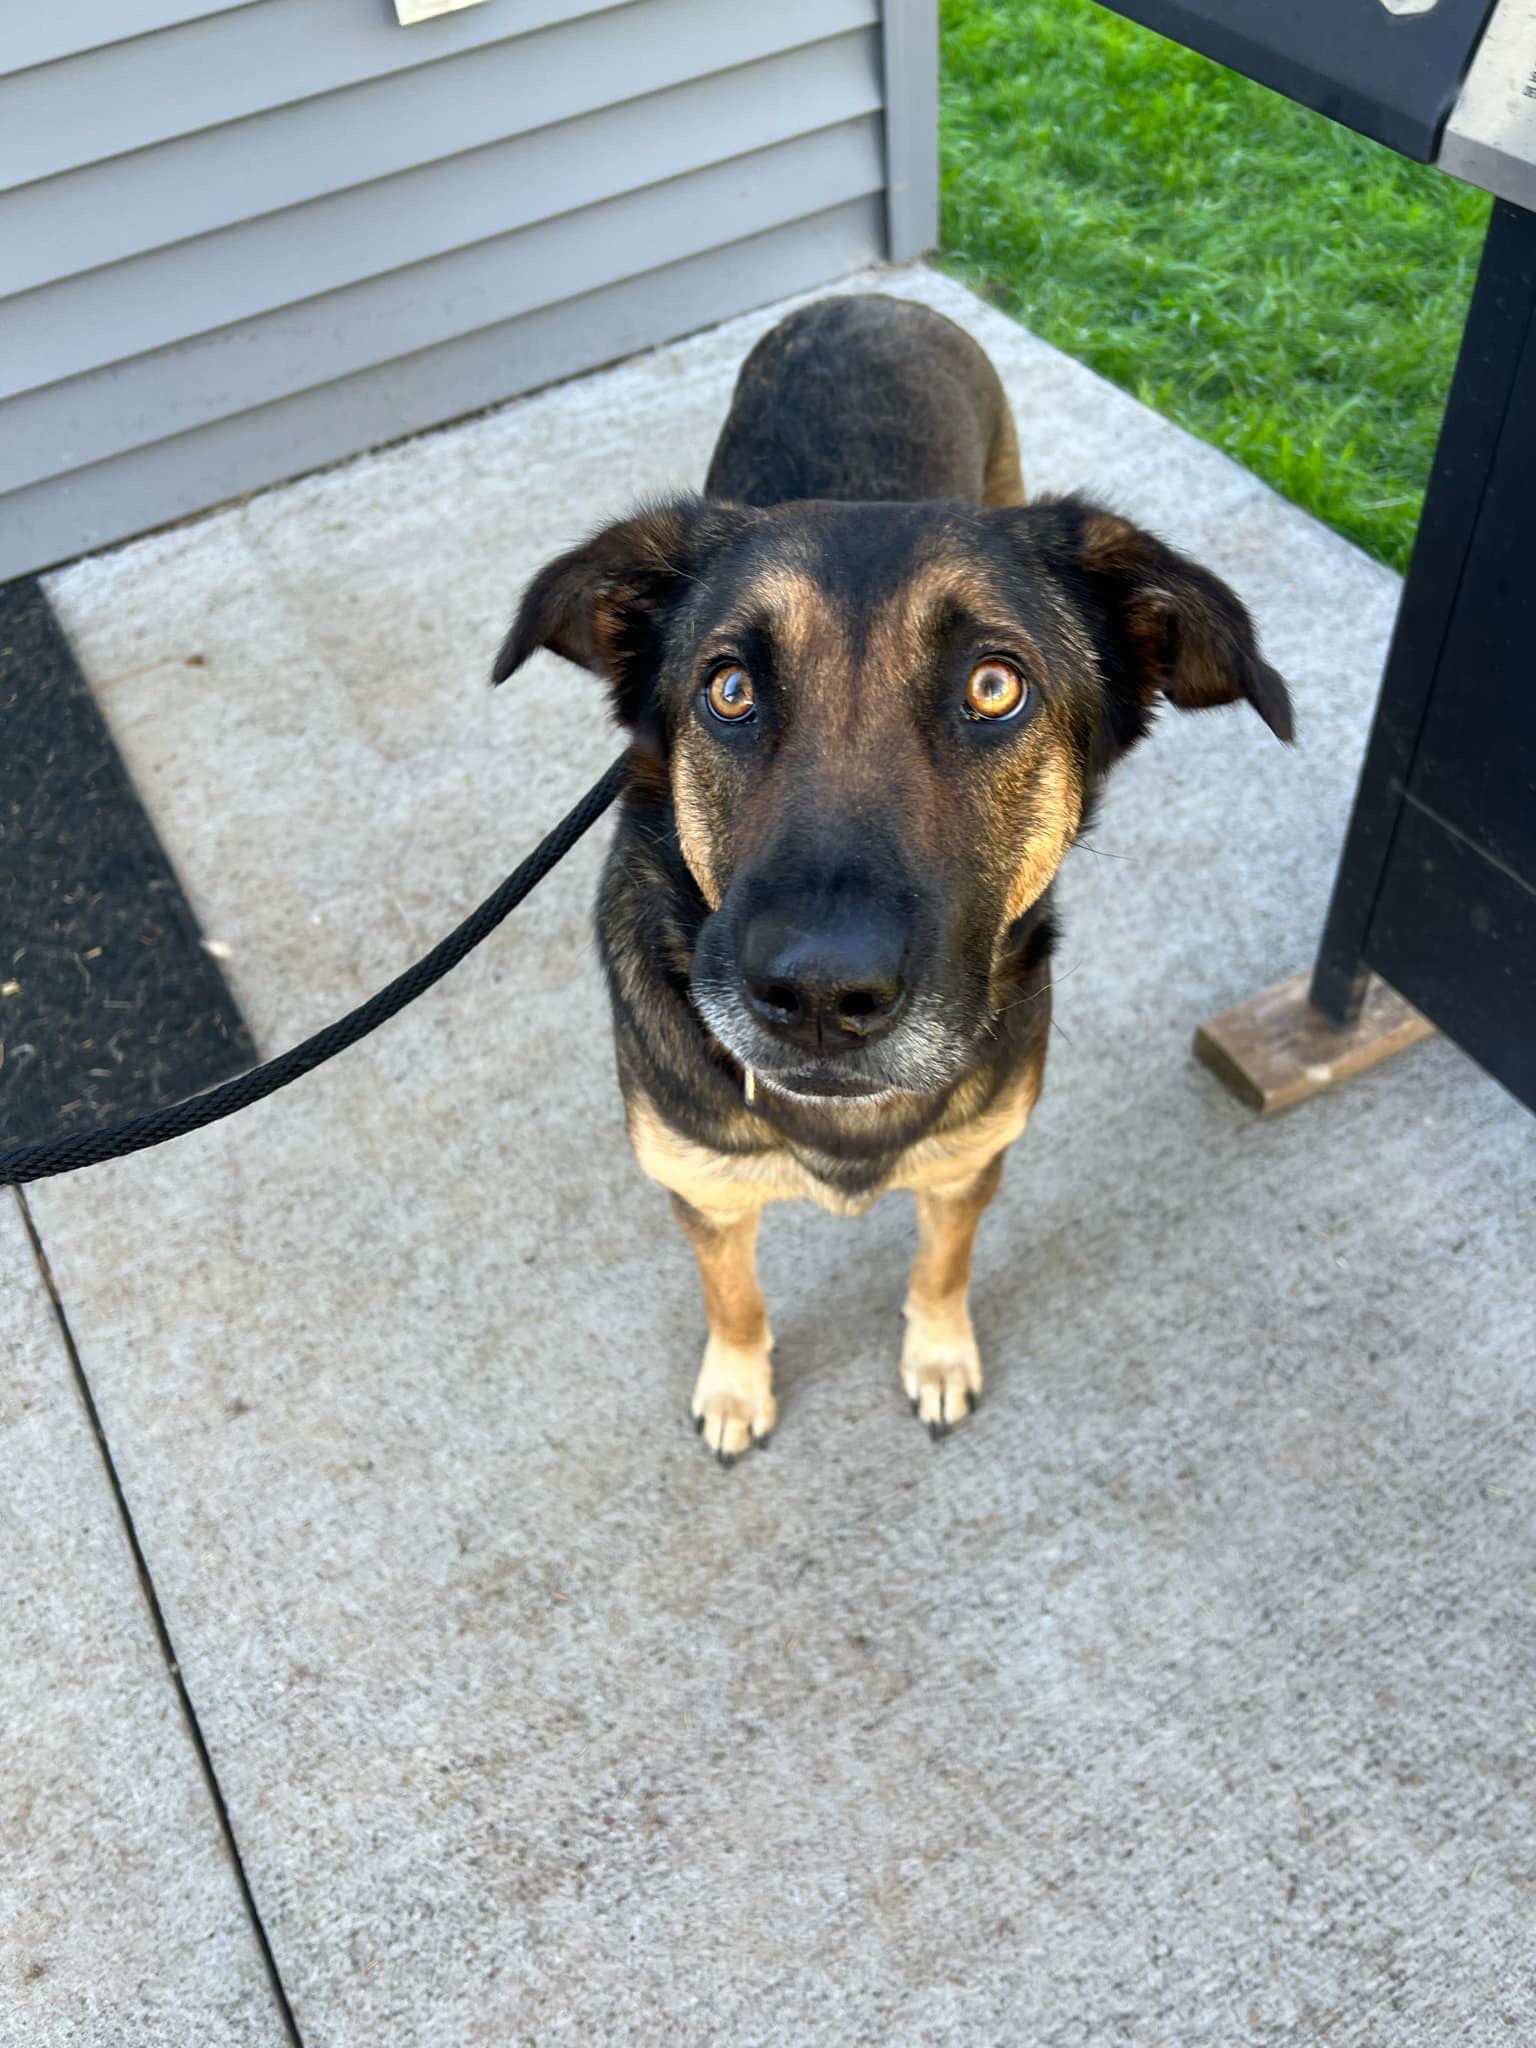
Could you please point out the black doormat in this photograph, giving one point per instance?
(109, 1002)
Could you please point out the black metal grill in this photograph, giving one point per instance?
(1436, 887)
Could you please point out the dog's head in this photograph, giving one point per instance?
(880, 726)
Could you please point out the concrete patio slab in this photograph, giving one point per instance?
(1184, 1696)
(120, 1917)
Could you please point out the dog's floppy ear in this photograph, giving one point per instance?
(1181, 632)
(606, 604)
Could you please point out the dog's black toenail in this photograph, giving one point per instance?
(698, 1425)
(938, 1429)
(914, 1404)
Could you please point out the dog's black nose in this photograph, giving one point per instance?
(826, 988)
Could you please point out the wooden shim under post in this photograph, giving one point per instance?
(1275, 1050)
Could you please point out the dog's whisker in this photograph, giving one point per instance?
(1034, 995)
(1104, 852)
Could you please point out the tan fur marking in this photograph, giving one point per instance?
(956, 1154)
(898, 642)
(796, 607)
(1056, 809)
(725, 1247)
(719, 1198)
(723, 1185)
(940, 1362)
(1003, 483)
(1109, 542)
(899, 630)
(946, 1234)
(808, 634)
(690, 801)
(733, 1400)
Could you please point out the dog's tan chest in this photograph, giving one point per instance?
(732, 1183)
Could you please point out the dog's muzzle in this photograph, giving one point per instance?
(824, 1006)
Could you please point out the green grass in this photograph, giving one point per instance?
(1278, 285)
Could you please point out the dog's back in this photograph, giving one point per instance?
(867, 397)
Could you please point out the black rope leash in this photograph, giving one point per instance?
(116, 1141)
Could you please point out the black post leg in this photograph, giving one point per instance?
(1433, 918)
(1488, 371)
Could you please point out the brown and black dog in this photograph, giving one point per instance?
(871, 695)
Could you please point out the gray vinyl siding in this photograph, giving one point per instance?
(66, 27)
(241, 240)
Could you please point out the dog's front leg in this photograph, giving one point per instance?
(940, 1364)
(733, 1404)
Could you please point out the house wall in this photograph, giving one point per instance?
(243, 238)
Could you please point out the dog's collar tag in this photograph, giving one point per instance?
(748, 1085)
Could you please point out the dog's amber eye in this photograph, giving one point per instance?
(995, 690)
(729, 693)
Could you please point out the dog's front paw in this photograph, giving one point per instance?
(733, 1405)
(941, 1371)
